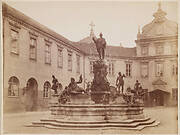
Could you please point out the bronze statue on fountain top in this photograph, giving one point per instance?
(100, 46)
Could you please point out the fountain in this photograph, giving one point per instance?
(96, 108)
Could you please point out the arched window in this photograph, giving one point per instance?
(13, 89)
(46, 91)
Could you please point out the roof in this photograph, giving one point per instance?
(87, 40)
(160, 26)
(85, 46)
(117, 51)
(159, 90)
(159, 82)
(8, 10)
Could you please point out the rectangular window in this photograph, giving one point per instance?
(33, 46)
(78, 63)
(111, 68)
(174, 69)
(60, 58)
(144, 50)
(91, 67)
(159, 69)
(14, 41)
(128, 69)
(69, 61)
(144, 70)
(47, 90)
(48, 54)
(175, 94)
(159, 49)
(174, 49)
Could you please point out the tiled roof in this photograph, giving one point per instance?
(117, 51)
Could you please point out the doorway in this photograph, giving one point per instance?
(31, 95)
(158, 97)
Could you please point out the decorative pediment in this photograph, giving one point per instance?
(159, 82)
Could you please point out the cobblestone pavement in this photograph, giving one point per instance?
(14, 123)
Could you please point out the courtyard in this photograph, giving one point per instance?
(15, 123)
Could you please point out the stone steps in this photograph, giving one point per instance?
(136, 124)
(156, 123)
(97, 122)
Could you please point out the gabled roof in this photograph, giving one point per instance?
(159, 90)
(159, 82)
(117, 51)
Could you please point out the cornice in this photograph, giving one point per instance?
(159, 39)
(156, 57)
(115, 57)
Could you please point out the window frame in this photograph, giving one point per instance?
(78, 64)
(111, 68)
(146, 50)
(174, 69)
(146, 64)
(33, 47)
(47, 53)
(14, 42)
(161, 47)
(70, 63)
(159, 74)
(60, 57)
(174, 48)
(13, 83)
(129, 73)
(46, 90)
(175, 94)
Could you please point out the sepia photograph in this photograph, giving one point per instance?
(89, 67)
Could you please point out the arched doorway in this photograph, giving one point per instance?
(31, 95)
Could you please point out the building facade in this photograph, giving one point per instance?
(33, 53)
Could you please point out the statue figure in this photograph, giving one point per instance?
(73, 85)
(55, 84)
(100, 46)
(136, 87)
(129, 96)
(120, 82)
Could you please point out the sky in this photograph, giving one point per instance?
(117, 20)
